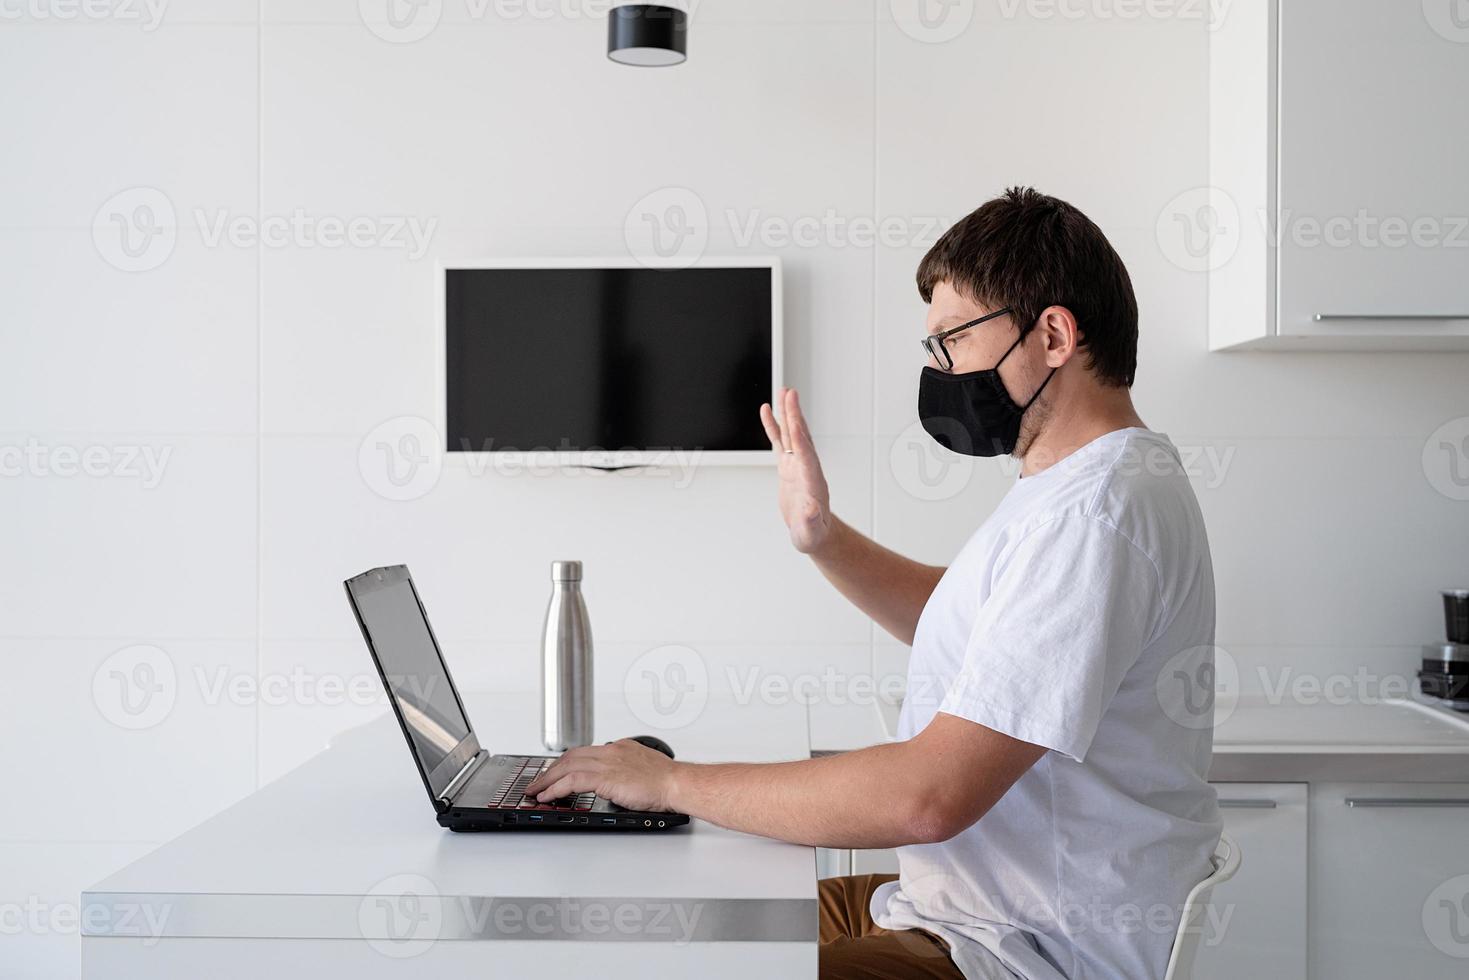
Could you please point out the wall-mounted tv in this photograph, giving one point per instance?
(608, 362)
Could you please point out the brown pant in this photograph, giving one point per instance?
(853, 947)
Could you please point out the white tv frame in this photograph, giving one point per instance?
(611, 459)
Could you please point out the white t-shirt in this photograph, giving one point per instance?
(1079, 617)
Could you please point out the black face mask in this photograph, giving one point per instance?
(972, 413)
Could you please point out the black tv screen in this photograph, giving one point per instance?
(607, 359)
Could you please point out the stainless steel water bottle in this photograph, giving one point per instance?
(566, 662)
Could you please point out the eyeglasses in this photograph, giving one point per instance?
(933, 344)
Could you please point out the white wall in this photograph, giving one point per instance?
(261, 370)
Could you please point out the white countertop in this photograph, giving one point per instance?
(1258, 724)
(1264, 740)
(300, 857)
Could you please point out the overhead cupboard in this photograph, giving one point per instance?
(1337, 211)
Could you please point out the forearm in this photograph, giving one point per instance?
(871, 798)
(882, 583)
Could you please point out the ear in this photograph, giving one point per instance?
(1060, 334)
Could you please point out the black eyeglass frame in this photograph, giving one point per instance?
(933, 344)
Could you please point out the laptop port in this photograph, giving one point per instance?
(611, 820)
(662, 823)
(566, 819)
(647, 823)
(581, 820)
(510, 818)
(536, 818)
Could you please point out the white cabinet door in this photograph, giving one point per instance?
(1372, 216)
(1257, 925)
(884, 862)
(1389, 881)
(833, 862)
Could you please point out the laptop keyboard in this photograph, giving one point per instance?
(520, 772)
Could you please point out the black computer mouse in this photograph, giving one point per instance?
(655, 743)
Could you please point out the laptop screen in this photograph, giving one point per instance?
(417, 680)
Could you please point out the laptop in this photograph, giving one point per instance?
(470, 789)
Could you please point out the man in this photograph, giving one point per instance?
(1047, 789)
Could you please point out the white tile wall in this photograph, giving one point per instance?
(123, 738)
(263, 370)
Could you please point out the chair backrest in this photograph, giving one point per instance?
(1226, 862)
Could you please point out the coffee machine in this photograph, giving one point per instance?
(1445, 671)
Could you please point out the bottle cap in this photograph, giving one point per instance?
(566, 571)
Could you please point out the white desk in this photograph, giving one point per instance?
(339, 866)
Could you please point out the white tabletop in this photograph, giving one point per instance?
(308, 855)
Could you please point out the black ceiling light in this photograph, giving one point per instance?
(651, 35)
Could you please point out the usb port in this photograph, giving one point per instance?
(536, 818)
(611, 820)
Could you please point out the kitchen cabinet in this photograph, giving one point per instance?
(1337, 216)
(1389, 874)
(1257, 926)
(876, 862)
(832, 862)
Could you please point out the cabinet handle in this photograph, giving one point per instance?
(1260, 804)
(1319, 317)
(1371, 801)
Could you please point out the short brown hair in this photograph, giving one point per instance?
(1028, 251)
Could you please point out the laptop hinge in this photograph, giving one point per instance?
(447, 797)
